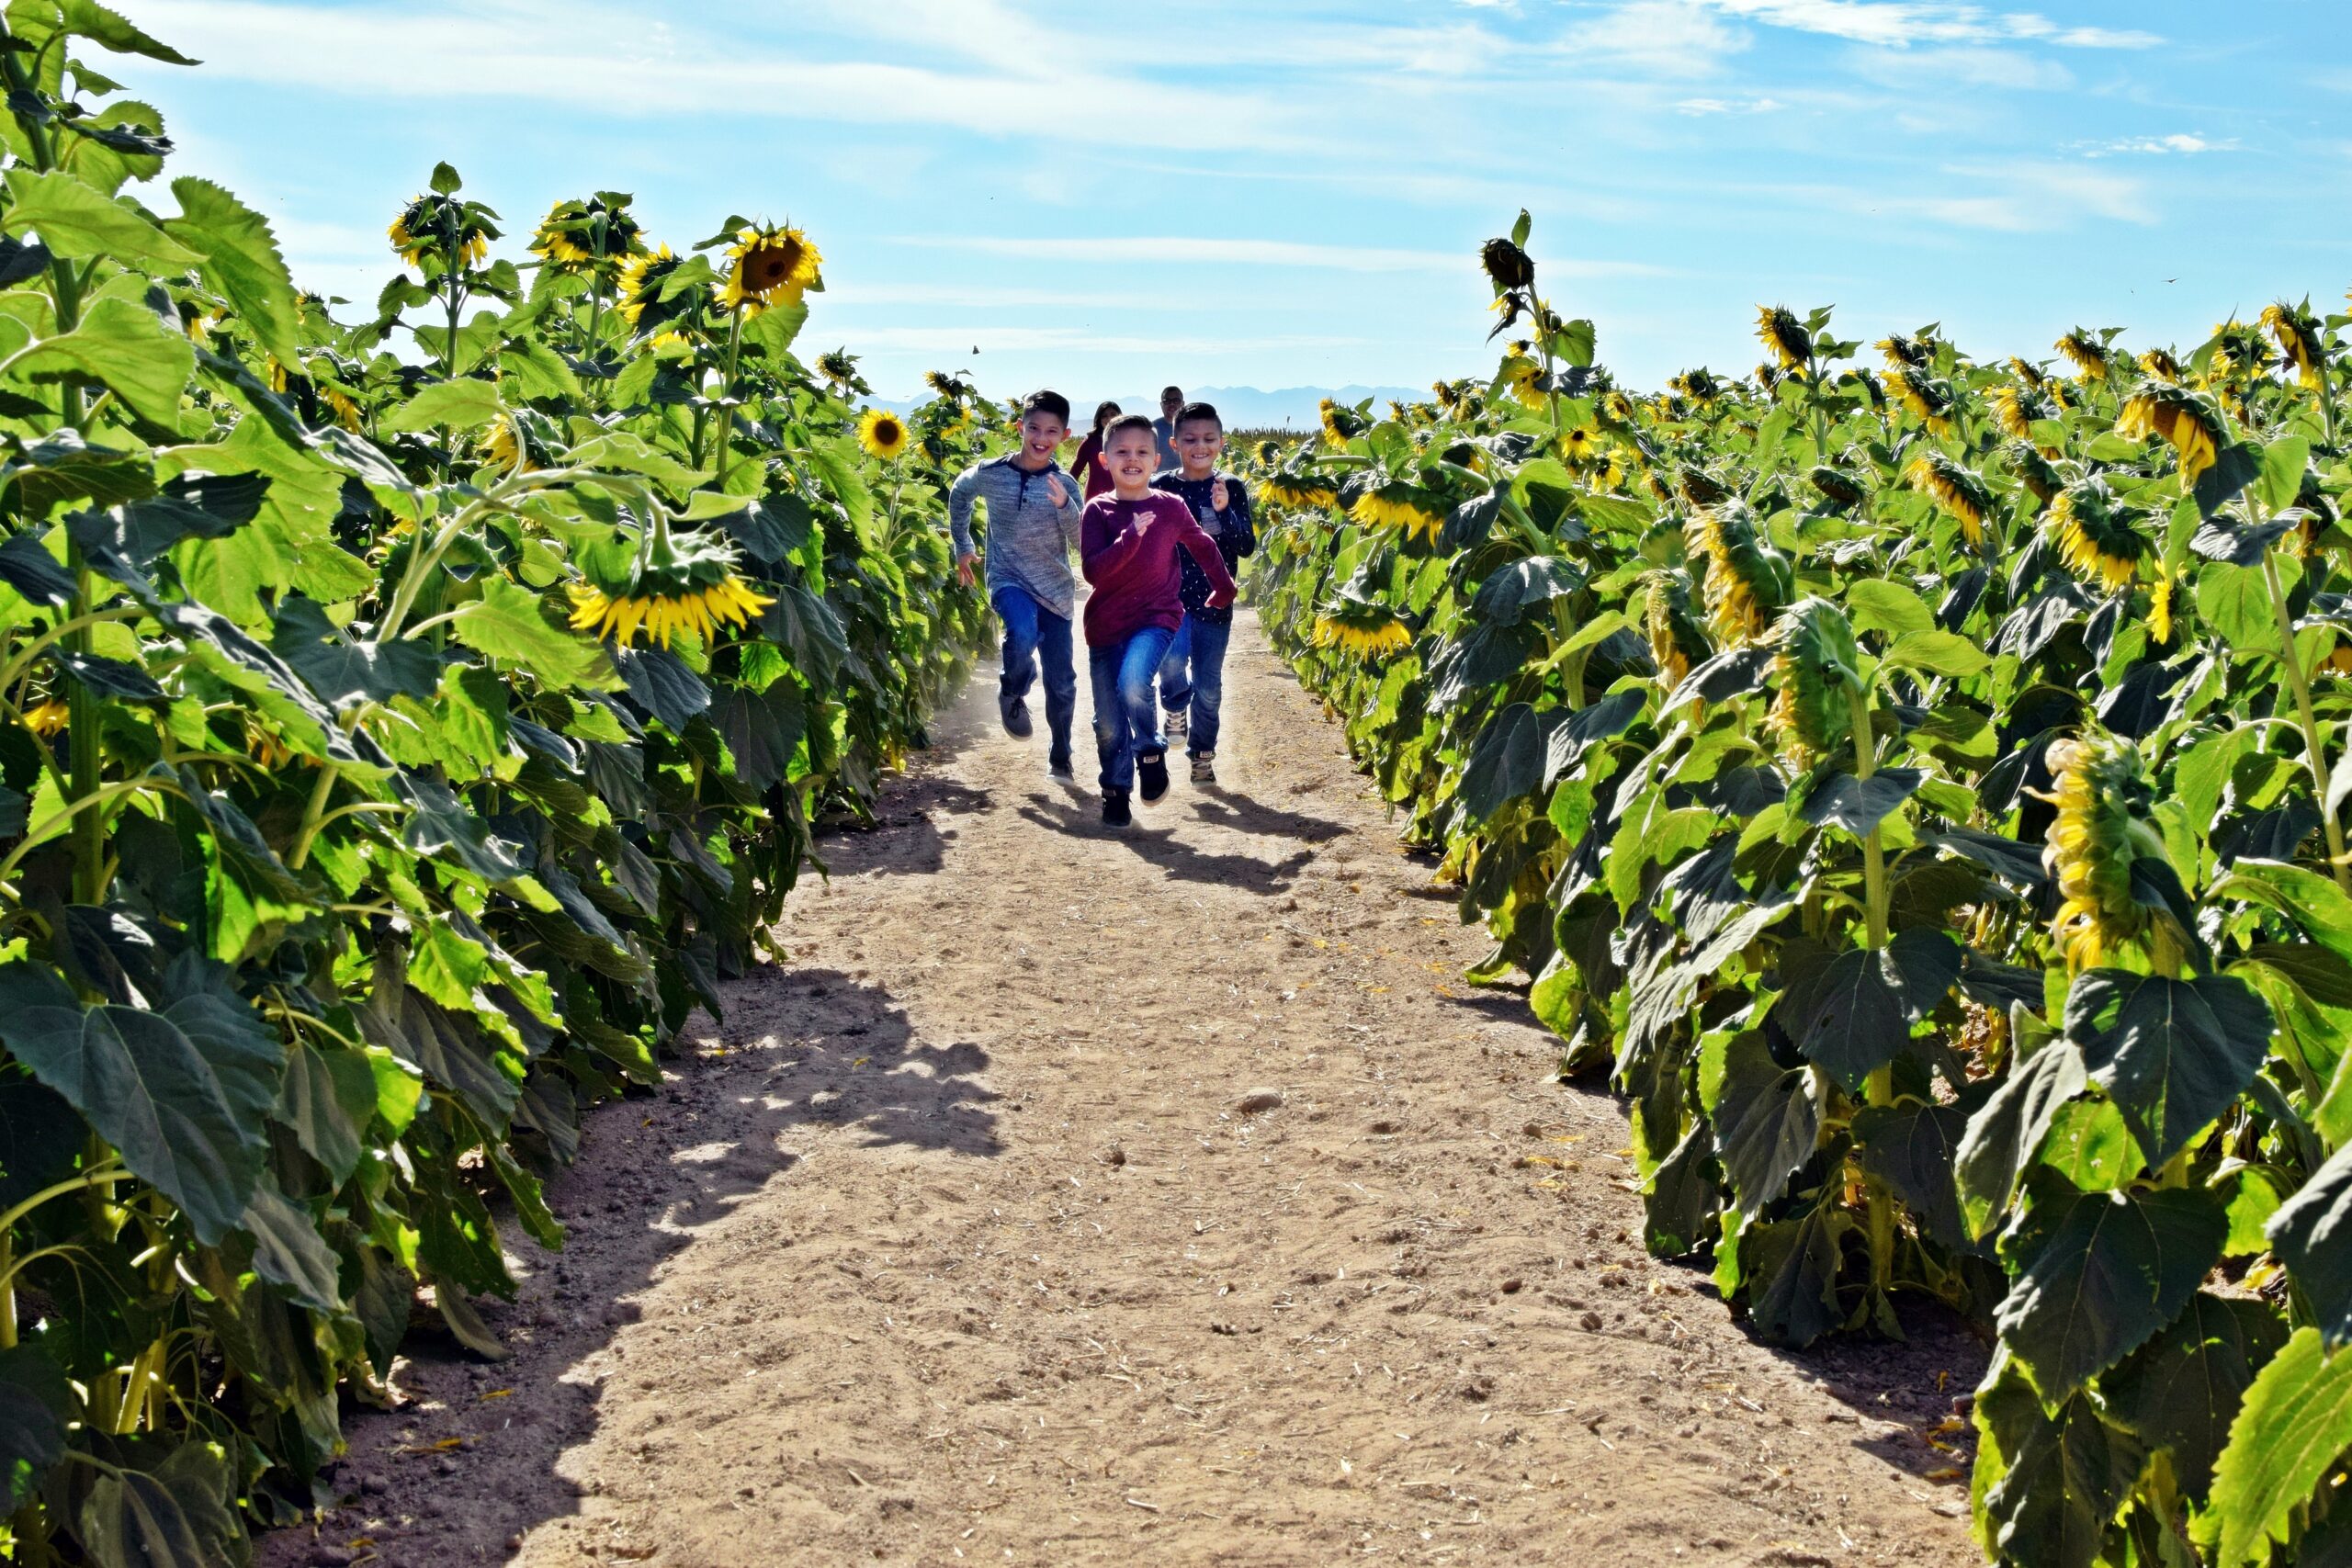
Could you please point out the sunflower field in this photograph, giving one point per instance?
(406, 724)
(1918, 781)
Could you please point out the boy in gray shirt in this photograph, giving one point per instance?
(1034, 512)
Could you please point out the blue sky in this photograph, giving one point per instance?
(1104, 198)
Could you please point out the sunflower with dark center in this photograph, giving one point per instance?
(2097, 536)
(882, 434)
(2192, 421)
(1925, 396)
(1340, 425)
(1778, 329)
(947, 386)
(1366, 631)
(1955, 489)
(2158, 364)
(676, 584)
(2016, 408)
(1814, 663)
(773, 266)
(2103, 826)
(1507, 267)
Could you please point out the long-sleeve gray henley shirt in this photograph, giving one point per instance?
(1030, 539)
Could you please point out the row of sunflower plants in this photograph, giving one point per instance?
(408, 716)
(1920, 787)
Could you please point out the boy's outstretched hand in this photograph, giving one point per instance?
(1058, 491)
(964, 568)
(1218, 496)
(1220, 598)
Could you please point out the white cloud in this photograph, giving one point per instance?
(2177, 143)
(1900, 24)
(1931, 70)
(1700, 107)
(1654, 37)
(2029, 196)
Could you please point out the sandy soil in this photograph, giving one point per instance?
(1164, 1196)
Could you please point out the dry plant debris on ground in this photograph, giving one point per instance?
(1075, 1196)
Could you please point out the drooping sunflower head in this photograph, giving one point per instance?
(1268, 452)
(2085, 354)
(882, 433)
(1342, 425)
(2015, 408)
(2160, 606)
(838, 365)
(1864, 381)
(1814, 661)
(1396, 504)
(339, 405)
(1905, 353)
(2103, 826)
(1769, 376)
(1365, 630)
(522, 439)
(953, 388)
(2192, 421)
(1838, 487)
(676, 583)
(1928, 398)
(644, 297)
(774, 265)
(1507, 267)
(1307, 490)
(2027, 375)
(2158, 364)
(1618, 409)
(1957, 490)
(2097, 536)
(2035, 470)
(1700, 386)
(2298, 339)
(596, 236)
(1524, 379)
(1784, 336)
(1747, 579)
(48, 716)
(439, 233)
(1678, 637)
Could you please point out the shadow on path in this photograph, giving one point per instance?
(1159, 847)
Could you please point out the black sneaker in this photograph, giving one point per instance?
(1114, 808)
(1204, 767)
(1151, 772)
(1058, 766)
(1015, 713)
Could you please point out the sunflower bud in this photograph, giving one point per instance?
(2103, 827)
(1814, 665)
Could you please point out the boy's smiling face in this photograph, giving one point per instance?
(1131, 457)
(1199, 444)
(1041, 435)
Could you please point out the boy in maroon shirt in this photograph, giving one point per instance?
(1127, 546)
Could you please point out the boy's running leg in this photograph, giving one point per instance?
(1110, 733)
(1061, 687)
(1209, 643)
(1136, 670)
(1018, 613)
(1175, 685)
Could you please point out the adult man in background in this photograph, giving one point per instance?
(1172, 401)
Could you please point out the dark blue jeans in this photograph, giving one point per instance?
(1031, 632)
(1200, 644)
(1125, 718)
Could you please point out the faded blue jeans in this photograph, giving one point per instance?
(1200, 644)
(1126, 721)
(1032, 631)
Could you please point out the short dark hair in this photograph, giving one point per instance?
(1105, 410)
(1129, 422)
(1192, 413)
(1047, 402)
(1168, 392)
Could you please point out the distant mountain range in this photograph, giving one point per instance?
(1243, 408)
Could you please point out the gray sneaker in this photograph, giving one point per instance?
(1177, 723)
(1204, 767)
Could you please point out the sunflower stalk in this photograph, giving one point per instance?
(2314, 755)
(1877, 1089)
(725, 410)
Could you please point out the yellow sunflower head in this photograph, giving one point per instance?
(2035, 470)
(47, 716)
(1307, 490)
(1747, 579)
(1670, 618)
(645, 295)
(522, 439)
(1815, 663)
(2102, 826)
(2027, 375)
(2158, 364)
(1779, 330)
(2192, 421)
(598, 236)
(772, 266)
(882, 434)
(675, 585)
(1955, 489)
(2299, 340)
(1927, 399)
(2014, 409)
(2088, 358)
(1365, 630)
(2160, 607)
(1396, 504)
(1906, 351)
(439, 233)
(1340, 423)
(2097, 536)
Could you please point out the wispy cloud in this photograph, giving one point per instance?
(1667, 39)
(2029, 196)
(2180, 144)
(1702, 107)
(1900, 24)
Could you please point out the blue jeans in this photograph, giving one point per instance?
(1127, 720)
(1032, 631)
(1202, 644)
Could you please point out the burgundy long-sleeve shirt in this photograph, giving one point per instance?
(1136, 577)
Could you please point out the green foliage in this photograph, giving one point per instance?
(1927, 804)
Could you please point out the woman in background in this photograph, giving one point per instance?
(1088, 466)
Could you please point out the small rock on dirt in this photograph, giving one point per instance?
(1259, 1100)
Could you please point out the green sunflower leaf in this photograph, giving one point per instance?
(2293, 1427)
(76, 221)
(2312, 1233)
(123, 346)
(242, 262)
(2172, 1054)
(461, 404)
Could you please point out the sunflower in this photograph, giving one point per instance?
(2033, 471)
(1925, 396)
(2158, 364)
(591, 236)
(947, 386)
(1448, 394)
(1678, 638)
(1617, 407)
(882, 434)
(1747, 580)
(2097, 536)
(674, 585)
(2192, 421)
(1398, 505)
(1507, 267)
(1368, 631)
(1698, 487)
(1814, 660)
(339, 403)
(1580, 444)
(2027, 375)
(1837, 487)
(1869, 384)
(436, 232)
(2014, 409)
(1779, 330)
(2160, 606)
(1340, 425)
(839, 366)
(47, 716)
(772, 266)
(1700, 385)
(2102, 826)
(644, 296)
(1905, 352)
(2088, 358)
(1525, 377)
(522, 439)
(1769, 375)
(1308, 490)
(1956, 490)
(2298, 339)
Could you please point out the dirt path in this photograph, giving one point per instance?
(957, 1241)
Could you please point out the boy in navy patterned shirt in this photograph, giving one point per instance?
(1191, 676)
